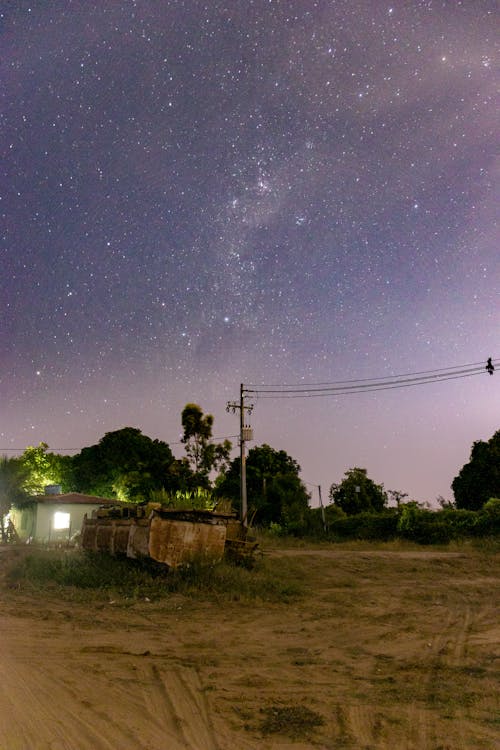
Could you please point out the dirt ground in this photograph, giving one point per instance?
(392, 649)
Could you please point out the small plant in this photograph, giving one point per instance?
(200, 498)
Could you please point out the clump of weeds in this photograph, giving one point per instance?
(294, 721)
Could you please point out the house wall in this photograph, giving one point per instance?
(24, 521)
(38, 521)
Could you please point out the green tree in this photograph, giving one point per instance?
(479, 479)
(275, 492)
(43, 468)
(358, 493)
(13, 476)
(125, 464)
(203, 455)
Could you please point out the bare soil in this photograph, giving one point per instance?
(390, 650)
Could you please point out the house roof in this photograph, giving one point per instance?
(73, 498)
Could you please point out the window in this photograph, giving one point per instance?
(61, 520)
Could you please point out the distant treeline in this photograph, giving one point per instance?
(409, 522)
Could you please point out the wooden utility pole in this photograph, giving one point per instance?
(322, 507)
(245, 435)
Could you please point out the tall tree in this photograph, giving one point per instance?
(13, 476)
(203, 455)
(479, 479)
(125, 464)
(274, 490)
(357, 493)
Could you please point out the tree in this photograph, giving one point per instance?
(358, 493)
(13, 476)
(203, 455)
(396, 496)
(43, 468)
(125, 464)
(479, 479)
(274, 490)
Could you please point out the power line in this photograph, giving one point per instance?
(367, 385)
(77, 450)
(351, 392)
(363, 380)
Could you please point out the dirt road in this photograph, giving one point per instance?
(390, 649)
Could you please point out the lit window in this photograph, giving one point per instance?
(61, 520)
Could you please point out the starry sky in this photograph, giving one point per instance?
(196, 195)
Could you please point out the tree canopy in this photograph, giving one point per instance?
(479, 479)
(275, 492)
(358, 493)
(127, 464)
(203, 455)
(44, 468)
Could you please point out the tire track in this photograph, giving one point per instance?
(447, 649)
(39, 712)
(178, 708)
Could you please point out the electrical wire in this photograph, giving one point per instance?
(366, 385)
(352, 391)
(362, 380)
(77, 450)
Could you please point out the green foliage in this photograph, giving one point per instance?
(125, 464)
(410, 521)
(479, 479)
(44, 468)
(274, 490)
(488, 522)
(492, 507)
(103, 576)
(200, 498)
(439, 527)
(408, 517)
(203, 455)
(370, 526)
(358, 493)
(461, 523)
(423, 526)
(13, 477)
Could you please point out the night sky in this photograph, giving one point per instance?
(195, 195)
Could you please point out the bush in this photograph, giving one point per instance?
(440, 527)
(410, 521)
(492, 507)
(488, 518)
(370, 526)
(462, 523)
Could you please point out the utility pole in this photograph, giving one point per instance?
(322, 507)
(245, 434)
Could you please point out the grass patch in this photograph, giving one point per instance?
(103, 575)
(488, 545)
(294, 721)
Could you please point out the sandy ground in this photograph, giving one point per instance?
(394, 650)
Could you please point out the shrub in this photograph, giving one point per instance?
(368, 526)
(461, 523)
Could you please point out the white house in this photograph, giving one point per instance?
(54, 518)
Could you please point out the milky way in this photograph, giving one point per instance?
(198, 195)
